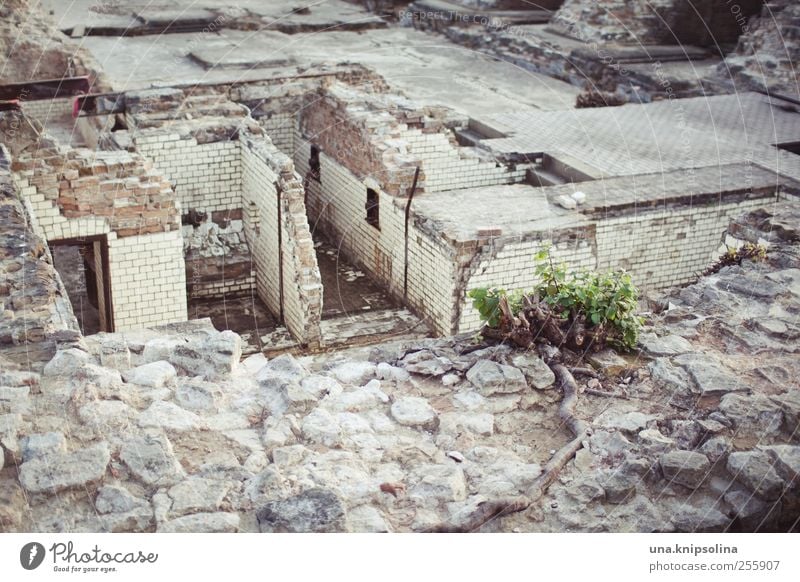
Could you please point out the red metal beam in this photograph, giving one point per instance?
(9, 105)
(47, 89)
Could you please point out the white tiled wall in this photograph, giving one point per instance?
(206, 177)
(148, 280)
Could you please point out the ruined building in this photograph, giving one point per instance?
(184, 187)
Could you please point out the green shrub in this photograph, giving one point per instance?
(606, 300)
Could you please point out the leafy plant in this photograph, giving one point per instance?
(606, 302)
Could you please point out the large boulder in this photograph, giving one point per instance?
(415, 412)
(755, 470)
(687, 468)
(150, 459)
(491, 378)
(59, 471)
(312, 511)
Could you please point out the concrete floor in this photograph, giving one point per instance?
(426, 67)
(247, 316)
(346, 289)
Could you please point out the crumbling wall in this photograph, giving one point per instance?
(768, 52)
(337, 206)
(77, 194)
(206, 176)
(668, 247)
(276, 227)
(701, 22)
(661, 249)
(33, 300)
(218, 259)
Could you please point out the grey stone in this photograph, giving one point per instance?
(197, 494)
(10, 427)
(686, 468)
(117, 499)
(669, 345)
(386, 371)
(320, 386)
(114, 353)
(754, 470)
(450, 379)
(285, 367)
(585, 490)
(150, 459)
(38, 445)
(703, 518)
(427, 363)
(786, 460)
(285, 457)
(214, 357)
(315, 510)
(320, 426)
(709, 375)
(669, 377)
(104, 415)
(438, 483)
(198, 395)
(169, 416)
(609, 361)
(619, 488)
(476, 423)
(757, 414)
(356, 373)
(59, 471)
(609, 444)
(632, 421)
(716, 448)
(357, 400)
(160, 348)
(366, 519)
(538, 374)
(218, 522)
(491, 378)
(685, 433)
(14, 399)
(655, 442)
(790, 404)
(751, 512)
(415, 412)
(153, 375)
(66, 362)
(139, 519)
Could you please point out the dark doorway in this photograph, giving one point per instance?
(83, 267)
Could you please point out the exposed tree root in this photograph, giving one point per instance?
(490, 510)
(486, 511)
(579, 428)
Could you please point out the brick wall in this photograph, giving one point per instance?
(336, 205)
(281, 129)
(449, 167)
(48, 109)
(666, 248)
(84, 194)
(148, 283)
(277, 230)
(660, 249)
(205, 176)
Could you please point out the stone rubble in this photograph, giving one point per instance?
(177, 435)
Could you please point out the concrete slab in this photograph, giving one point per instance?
(659, 137)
